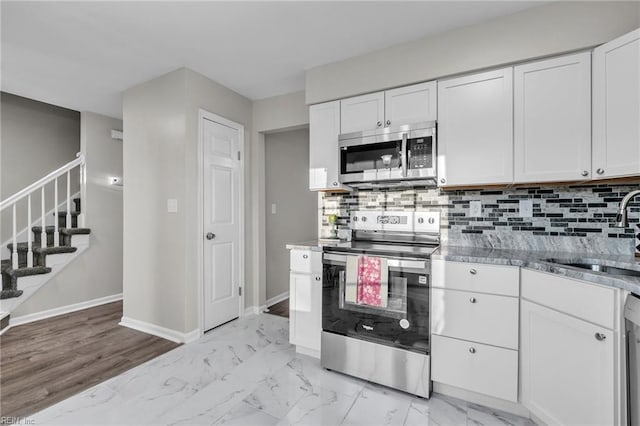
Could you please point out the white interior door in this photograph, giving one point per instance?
(222, 220)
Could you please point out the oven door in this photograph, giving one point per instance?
(403, 323)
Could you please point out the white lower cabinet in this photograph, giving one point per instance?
(567, 371)
(473, 366)
(474, 327)
(569, 357)
(305, 301)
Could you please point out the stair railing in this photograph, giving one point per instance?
(40, 185)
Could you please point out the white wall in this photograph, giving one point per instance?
(35, 139)
(549, 29)
(270, 114)
(160, 162)
(296, 217)
(98, 271)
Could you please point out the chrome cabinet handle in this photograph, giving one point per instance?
(600, 171)
(379, 123)
(388, 122)
(403, 155)
(585, 173)
(600, 337)
(317, 278)
(472, 350)
(472, 299)
(443, 180)
(335, 183)
(304, 256)
(210, 235)
(473, 271)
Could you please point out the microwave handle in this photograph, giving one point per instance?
(403, 155)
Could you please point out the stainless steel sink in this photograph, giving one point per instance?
(597, 267)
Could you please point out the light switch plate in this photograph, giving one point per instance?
(172, 205)
(526, 208)
(475, 208)
(273, 208)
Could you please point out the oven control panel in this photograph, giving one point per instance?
(382, 220)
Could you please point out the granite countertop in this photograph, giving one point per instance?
(536, 260)
(315, 245)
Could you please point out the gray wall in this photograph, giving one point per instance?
(549, 29)
(35, 139)
(97, 272)
(160, 271)
(296, 218)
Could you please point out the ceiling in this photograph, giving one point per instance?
(83, 55)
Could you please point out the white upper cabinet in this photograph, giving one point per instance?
(360, 113)
(475, 129)
(616, 107)
(404, 105)
(410, 104)
(552, 119)
(324, 128)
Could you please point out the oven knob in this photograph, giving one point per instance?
(355, 218)
(431, 220)
(404, 323)
(420, 220)
(364, 218)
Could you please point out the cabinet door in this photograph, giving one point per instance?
(410, 104)
(305, 310)
(324, 127)
(475, 129)
(360, 113)
(552, 119)
(567, 369)
(616, 107)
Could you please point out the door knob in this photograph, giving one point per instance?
(210, 235)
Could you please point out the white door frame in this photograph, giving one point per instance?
(199, 240)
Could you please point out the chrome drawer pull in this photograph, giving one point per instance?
(601, 337)
(304, 256)
(472, 350)
(472, 299)
(473, 272)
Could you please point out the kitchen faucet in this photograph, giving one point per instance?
(621, 218)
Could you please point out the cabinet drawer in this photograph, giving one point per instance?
(578, 298)
(475, 367)
(478, 317)
(475, 277)
(306, 261)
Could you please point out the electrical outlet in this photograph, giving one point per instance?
(172, 205)
(526, 208)
(475, 208)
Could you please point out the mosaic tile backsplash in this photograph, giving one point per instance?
(568, 218)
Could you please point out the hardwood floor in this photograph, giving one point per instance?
(281, 309)
(44, 362)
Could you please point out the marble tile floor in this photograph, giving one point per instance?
(246, 373)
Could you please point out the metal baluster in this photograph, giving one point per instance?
(14, 257)
(43, 221)
(56, 232)
(29, 235)
(68, 199)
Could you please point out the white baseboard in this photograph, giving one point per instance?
(477, 398)
(156, 330)
(277, 299)
(37, 316)
(309, 352)
(252, 310)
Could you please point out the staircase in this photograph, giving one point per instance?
(30, 264)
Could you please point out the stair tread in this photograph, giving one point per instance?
(65, 231)
(64, 213)
(43, 250)
(25, 272)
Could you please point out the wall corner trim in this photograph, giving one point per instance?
(156, 330)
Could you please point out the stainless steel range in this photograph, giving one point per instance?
(375, 299)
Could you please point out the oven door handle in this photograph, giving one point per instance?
(391, 262)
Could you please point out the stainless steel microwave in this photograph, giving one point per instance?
(403, 156)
